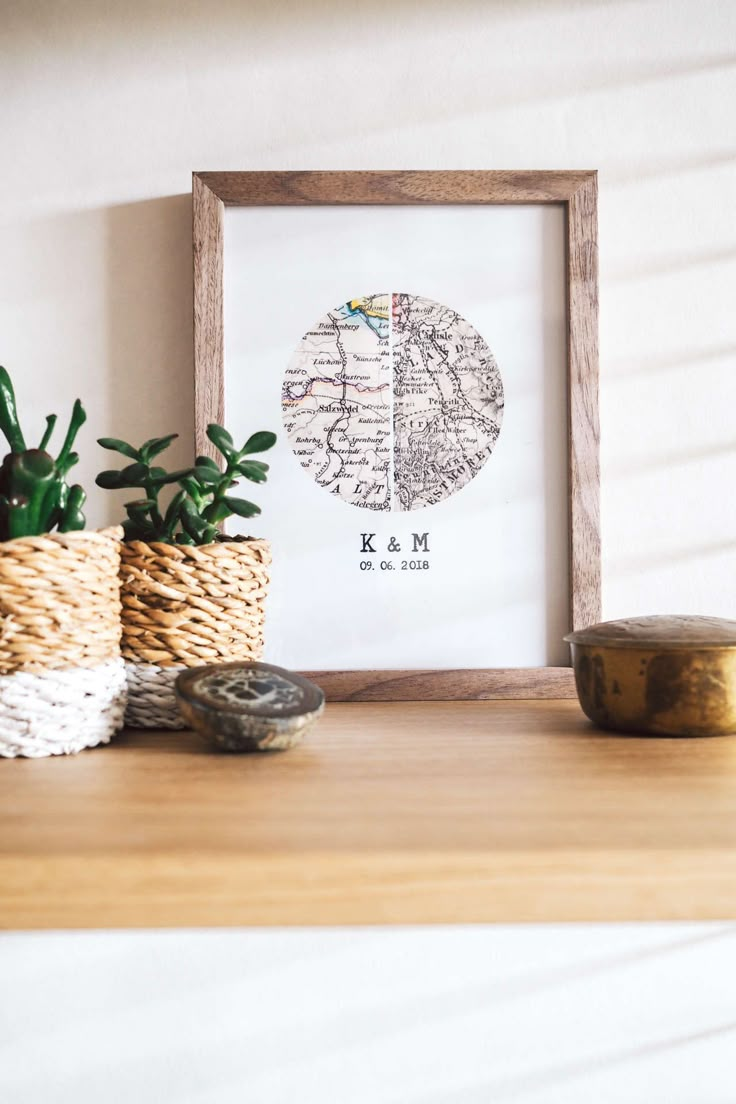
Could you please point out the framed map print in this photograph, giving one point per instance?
(425, 346)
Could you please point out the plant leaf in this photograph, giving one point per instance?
(207, 475)
(193, 524)
(221, 439)
(50, 423)
(254, 471)
(139, 529)
(192, 487)
(172, 513)
(116, 445)
(216, 512)
(72, 518)
(258, 442)
(154, 445)
(71, 459)
(135, 475)
(241, 506)
(9, 423)
(77, 420)
(208, 462)
(159, 477)
(110, 480)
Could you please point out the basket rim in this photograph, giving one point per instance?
(181, 551)
(76, 536)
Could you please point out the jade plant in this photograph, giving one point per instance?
(35, 497)
(203, 501)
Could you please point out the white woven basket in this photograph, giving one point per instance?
(61, 712)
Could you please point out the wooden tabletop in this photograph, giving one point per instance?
(389, 813)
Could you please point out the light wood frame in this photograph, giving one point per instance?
(577, 192)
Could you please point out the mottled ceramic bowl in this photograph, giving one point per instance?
(668, 676)
(248, 706)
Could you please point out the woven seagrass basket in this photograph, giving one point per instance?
(62, 679)
(183, 606)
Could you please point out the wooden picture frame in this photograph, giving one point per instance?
(576, 192)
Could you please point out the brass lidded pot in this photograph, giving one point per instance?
(663, 675)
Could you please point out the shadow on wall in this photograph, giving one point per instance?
(149, 327)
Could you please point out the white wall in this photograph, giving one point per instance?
(104, 111)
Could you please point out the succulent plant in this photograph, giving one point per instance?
(35, 497)
(202, 503)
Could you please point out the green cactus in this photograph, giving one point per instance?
(34, 495)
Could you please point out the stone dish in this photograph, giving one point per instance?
(668, 676)
(248, 706)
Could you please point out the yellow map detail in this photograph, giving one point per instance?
(372, 305)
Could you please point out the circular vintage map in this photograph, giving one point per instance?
(392, 402)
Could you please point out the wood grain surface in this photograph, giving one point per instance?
(208, 216)
(582, 397)
(450, 685)
(411, 813)
(255, 189)
(577, 191)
